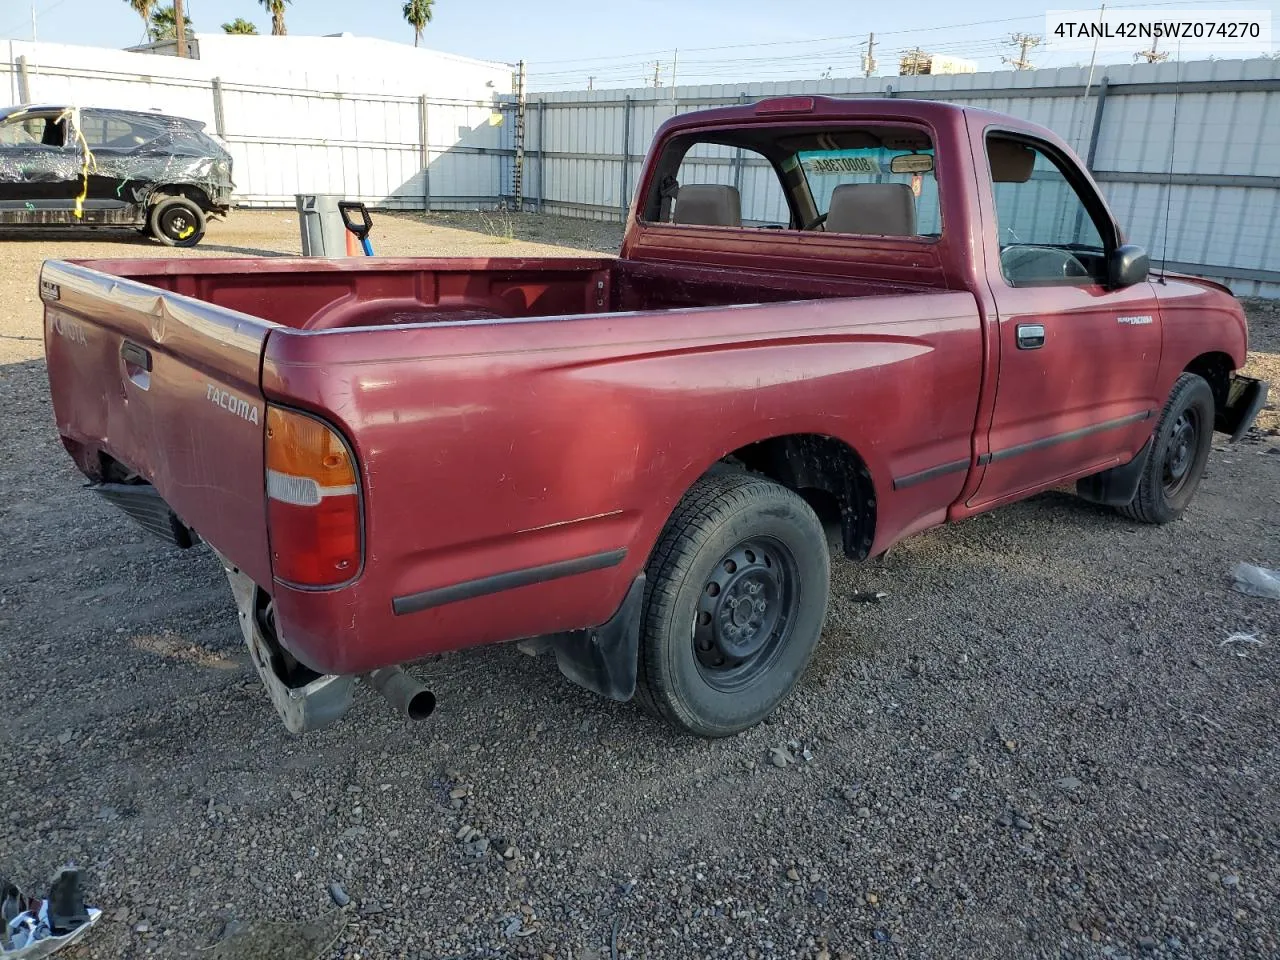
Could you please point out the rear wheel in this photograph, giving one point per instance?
(735, 599)
(177, 222)
(1179, 451)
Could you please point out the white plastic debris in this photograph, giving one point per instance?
(29, 936)
(1242, 638)
(1247, 639)
(1256, 581)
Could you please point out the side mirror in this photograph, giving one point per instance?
(1127, 265)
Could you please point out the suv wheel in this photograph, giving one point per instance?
(177, 222)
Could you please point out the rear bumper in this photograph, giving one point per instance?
(1245, 398)
(307, 706)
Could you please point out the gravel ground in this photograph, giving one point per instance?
(1040, 744)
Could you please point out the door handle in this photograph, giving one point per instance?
(137, 363)
(141, 356)
(1030, 336)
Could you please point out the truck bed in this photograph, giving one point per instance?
(313, 294)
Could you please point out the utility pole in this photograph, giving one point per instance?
(518, 176)
(913, 63)
(868, 58)
(657, 74)
(591, 83)
(1025, 41)
(675, 55)
(1152, 55)
(180, 27)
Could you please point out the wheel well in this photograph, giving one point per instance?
(1216, 369)
(828, 473)
(194, 194)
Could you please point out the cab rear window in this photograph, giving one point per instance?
(864, 179)
(906, 202)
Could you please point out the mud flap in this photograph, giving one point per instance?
(604, 659)
(1245, 398)
(1119, 485)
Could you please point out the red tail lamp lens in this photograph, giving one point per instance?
(313, 501)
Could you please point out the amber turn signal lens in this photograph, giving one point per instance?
(313, 501)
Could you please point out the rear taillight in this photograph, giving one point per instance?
(313, 501)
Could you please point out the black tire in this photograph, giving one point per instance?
(1179, 451)
(177, 222)
(741, 565)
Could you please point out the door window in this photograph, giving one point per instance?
(114, 132)
(33, 130)
(1046, 231)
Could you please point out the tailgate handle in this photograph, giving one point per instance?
(138, 356)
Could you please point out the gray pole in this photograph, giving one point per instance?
(626, 156)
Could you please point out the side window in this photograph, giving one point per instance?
(873, 191)
(33, 131)
(722, 186)
(1046, 232)
(103, 130)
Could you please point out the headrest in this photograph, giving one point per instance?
(708, 205)
(873, 209)
(1011, 162)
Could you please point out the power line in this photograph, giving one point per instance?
(859, 39)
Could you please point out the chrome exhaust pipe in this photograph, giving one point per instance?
(410, 698)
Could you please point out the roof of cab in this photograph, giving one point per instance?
(804, 108)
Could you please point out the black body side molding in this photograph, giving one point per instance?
(510, 580)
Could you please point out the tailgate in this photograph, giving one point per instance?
(169, 387)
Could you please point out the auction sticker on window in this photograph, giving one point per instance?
(839, 161)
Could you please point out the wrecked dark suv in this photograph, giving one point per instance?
(69, 166)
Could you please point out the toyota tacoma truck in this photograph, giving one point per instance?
(830, 322)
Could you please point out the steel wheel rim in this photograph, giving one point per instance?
(746, 611)
(1180, 451)
(178, 225)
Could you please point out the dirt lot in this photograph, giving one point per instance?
(1040, 744)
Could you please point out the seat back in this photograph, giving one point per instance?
(873, 209)
(708, 205)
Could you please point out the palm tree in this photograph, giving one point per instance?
(418, 14)
(239, 26)
(276, 9)
(143, 9)
(164, 25)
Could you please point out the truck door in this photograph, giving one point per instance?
(1078, 359)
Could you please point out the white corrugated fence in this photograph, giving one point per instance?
(417, 129)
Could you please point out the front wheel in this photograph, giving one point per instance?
(1179, 451)
(177, 222)
(735, 599)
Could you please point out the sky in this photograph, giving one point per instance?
(570, 43)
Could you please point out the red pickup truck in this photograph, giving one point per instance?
(859, 318)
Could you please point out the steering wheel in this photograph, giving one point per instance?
(816, 222)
